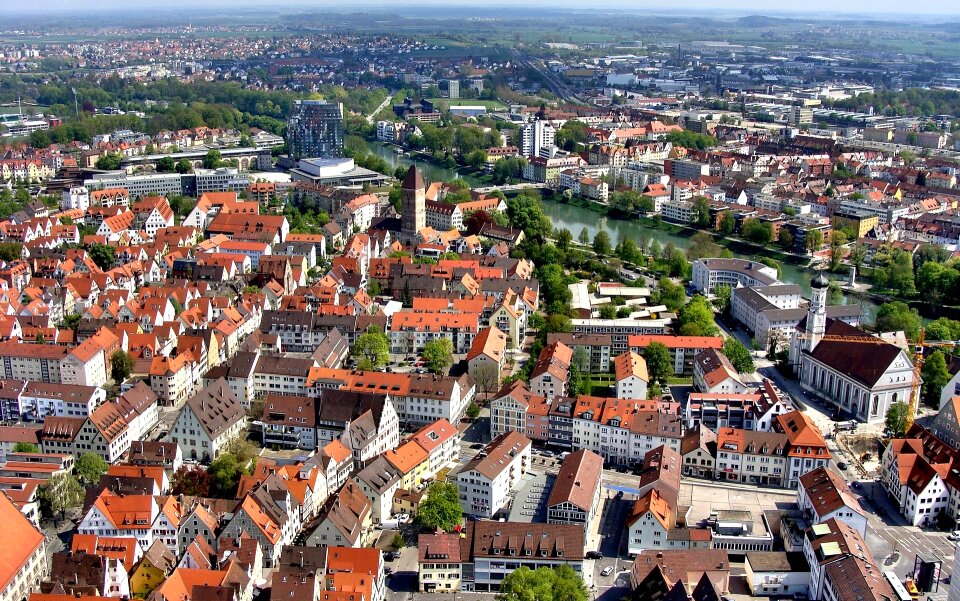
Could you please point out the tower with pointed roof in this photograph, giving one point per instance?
(817, 314)
(413, 209)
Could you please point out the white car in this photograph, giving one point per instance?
(607, 571)
(955, 535)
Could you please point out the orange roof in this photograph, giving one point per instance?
(433, 435)
(337, 451)
(407, 456)
(128, 512)
(696, 342)
(265, 523)
(631, 364)
(123, 548)
(21, 540)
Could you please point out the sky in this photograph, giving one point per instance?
(877, 9)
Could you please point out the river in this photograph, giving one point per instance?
(576, 218)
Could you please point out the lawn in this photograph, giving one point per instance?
(490, 104)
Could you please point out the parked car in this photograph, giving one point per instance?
(842, 465)
(955, 535)
(594, 555)
(390, 555)
(607, 571)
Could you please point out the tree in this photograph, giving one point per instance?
(543, 584)
(584, 237)
(601, 243)
(739, 355)
(473, 411)
(109, 162)
(441, 508)
(103, 255)
(659, 363)
(669, 294)
(487, 377)
(785, 239)
(60, 493)
(438, 355)
(526, 213)
(834, 293)
(722, 295)
(10, 251)
(193, 481)
(557, 322)
(183, 166)
(897, 315)
(813, 241)
(935, 377)
(696, 318)
(564, 239)
(943, 329)
(702, 245)
(372, 350)
(837, 241)
(476, 159)
(728, 223)
(26, 447)
(900, 276)
(701, 211)
(225, 472)
(896, 420)
(166, 165)
(212, 159)
(760, 232)
(121, 366)
(89, 467)
(858, 254)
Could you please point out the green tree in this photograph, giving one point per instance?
(834, 293)
(473, 411)
(564, 239)
(702, 245)
(543, 584)
(722, 295)
(935, 377)
(10, 251)
(225, 472)
(109, 162)
(26, 447)
(601, 243)
(212, 159)
(584, 237)
(739, 355)
(701, 211)
(183, 166)
(900, 276)
(121, 366)
(943, 329)
(372, 350)
(728, 223)
(441, 509)
(897, 418)
(89, 467)
(858, 254)
(837, 242)
(438, 355)
(696, 318)
(669, 294)
(526, 213)
(557, 322)
(103, 255)
(166, 165)
(813, 241)
(897, 315)
(659, 363)
(757, 231)
(60, 493)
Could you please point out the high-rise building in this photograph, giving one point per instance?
(534, 136)
(413, 209)
(453, 88)
(315, 129)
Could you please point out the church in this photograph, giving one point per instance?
(862, 379)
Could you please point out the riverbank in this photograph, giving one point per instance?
(736, 245)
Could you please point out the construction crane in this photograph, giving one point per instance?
(918, 358)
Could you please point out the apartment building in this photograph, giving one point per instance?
(486, 481)
(208, 421)
(575, 496)
(25, 561)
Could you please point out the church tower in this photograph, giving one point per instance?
(413, 209)
(817, 314)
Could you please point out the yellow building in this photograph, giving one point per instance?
(152, 570)
(861, 223)
(412, 461)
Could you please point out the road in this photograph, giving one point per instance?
(382, 106)
(556, 85)
(511, 188)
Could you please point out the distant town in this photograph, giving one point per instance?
(522, 304)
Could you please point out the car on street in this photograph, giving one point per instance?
(390, 555)
(842, 465)
(607, 571)
(594, 555)
(477, 445)
(955, 535)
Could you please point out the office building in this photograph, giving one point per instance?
(315, 129)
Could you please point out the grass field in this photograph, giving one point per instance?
(9, 110)
(490, 104)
